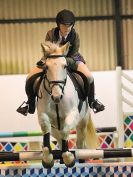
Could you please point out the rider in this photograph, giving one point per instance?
(61, 34)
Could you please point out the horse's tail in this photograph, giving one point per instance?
(91, 136)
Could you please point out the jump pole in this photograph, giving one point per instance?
(37, 133)
(79, 154)
(19, 134)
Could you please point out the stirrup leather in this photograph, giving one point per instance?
(23, 109)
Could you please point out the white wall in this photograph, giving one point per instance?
(12, 94)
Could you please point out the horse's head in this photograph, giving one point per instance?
(55, 69)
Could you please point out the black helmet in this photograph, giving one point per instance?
(65, 17)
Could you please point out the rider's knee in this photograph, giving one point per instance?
(34, 70)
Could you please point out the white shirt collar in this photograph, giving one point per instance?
(60, 36)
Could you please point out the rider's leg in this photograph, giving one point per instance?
(93, 103)
(30, 104)
(29, 87)
(31, 98)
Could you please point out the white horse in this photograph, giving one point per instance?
(57, 108)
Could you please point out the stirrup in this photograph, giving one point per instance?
(23, 110)
(95, 108)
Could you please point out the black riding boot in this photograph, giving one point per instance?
(94, 103)
(27, 107)
(31, 102)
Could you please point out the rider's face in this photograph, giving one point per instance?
(65, 29)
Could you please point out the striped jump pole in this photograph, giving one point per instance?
(37, 133)
(79, 154)
(19, 134)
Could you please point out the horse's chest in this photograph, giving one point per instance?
(53, 114)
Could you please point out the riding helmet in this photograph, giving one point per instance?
(65, 17)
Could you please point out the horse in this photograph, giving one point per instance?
(57, 108)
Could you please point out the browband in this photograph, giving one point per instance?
(55, 56)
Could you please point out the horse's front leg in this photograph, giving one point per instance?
(67, 156)
(47, 160)
(70, 123)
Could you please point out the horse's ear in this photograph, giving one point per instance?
(65, 48)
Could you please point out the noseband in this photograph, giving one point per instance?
(58, 83)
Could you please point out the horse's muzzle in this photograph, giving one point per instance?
(56, 99)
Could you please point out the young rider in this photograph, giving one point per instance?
(61, 34)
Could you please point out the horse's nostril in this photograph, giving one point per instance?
(52, 97)
(61, 97)
(56, 99)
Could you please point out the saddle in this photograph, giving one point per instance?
(31, 88)
(81, 85)
(80, 82)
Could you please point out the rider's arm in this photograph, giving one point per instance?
(74, 48)
(71, 63)
(73, 54)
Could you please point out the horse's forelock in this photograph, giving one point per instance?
(51, 47)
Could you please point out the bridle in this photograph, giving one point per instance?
(60, 83)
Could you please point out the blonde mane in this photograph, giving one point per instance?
(49, 47)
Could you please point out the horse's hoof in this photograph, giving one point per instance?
(71, 164)
(68, 159)
(47, 161)
(48, 165)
